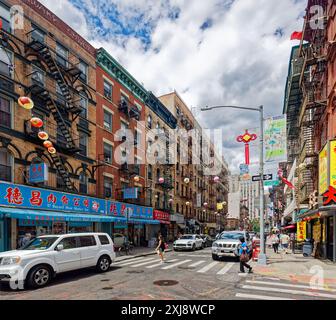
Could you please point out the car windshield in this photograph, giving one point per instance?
(186, 237)
(231, 235)
(40, 243)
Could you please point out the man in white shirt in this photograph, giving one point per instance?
(284, 240)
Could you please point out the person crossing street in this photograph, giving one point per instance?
(244, 253)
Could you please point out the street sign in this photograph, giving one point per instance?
(271, 183)
(266, 177)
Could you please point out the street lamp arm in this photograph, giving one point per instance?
(231, 107)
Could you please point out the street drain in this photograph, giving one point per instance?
(165, 283)
(135, 271)
(107, 288)
(104, 280)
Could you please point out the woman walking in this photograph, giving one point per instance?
(160, 248)
(244, 256)
(275, 242)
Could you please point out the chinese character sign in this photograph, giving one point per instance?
(301, 231)
(275, 136)
(38, 172)
(118, 209)
(323, 170)
(130, 193)
(29, 197)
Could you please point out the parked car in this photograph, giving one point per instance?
(207, 240)
(228, 244)
(188, 242)
(44, 257)
(119, 240)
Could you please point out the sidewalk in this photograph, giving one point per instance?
(139, 252)
(297, 268)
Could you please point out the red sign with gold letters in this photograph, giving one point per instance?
(162, 216)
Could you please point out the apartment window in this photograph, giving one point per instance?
(177, 186)
(83, 67)
(83, 142)
(136, 166)
(136, 138)
(37, 34)
(5, 112)
(150, 172)
(149, 122)
(158, 174)
(123, 98)
(108, 149)
(5, 17)
(62, 55)
(6, 66)
(108, 187)
(6, 165)
(83, 183)
(107, 120)
(158, 125)
(38, 76)
(177, 208)
(83, 102)
(107, 90)
(177, 167)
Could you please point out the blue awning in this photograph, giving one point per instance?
(27, 214)
(144, 221)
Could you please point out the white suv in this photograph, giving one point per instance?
(44, 257)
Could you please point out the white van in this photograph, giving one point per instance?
(43, 257)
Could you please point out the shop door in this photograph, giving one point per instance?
(2, 236)
(330, 238)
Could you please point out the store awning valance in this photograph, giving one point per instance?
(292, 226)
(143, 221)
(26, 214)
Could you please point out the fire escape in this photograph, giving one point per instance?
(60, 111)
(313, 82)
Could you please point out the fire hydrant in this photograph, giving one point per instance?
(255, 249)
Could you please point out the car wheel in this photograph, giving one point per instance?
(215, 257)
(103, 264)
(194, 247)
(39, 276)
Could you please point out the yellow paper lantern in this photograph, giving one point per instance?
(26, 103)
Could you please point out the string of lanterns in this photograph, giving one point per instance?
(28, 104)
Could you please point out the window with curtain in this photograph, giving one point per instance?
(107, 120)
(83, 67)
(62, 55)
(6, 62)
(108, 187)
(83, 142)
(108, 150)
(107, 90)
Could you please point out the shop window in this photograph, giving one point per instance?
(107, 90)
(108, 187)
(5, 112)
(87, 241)
(6, 165)
(83, 142)
(107, 120)
(6, 62)
(83, 183)
(108, 151)
(62, 55)
(83, 67)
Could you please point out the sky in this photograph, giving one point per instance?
(212, 52)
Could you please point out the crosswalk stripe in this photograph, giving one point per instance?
(255, 296)
(294, 292)
(226, 268)
(197, 263)
(290, 285)
(144, 263)
(159, 264)
(175, 264)
(194, 255)
(208, 267)
(130, 261)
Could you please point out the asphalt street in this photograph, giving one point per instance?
(184, 275)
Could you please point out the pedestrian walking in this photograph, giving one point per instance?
(284, 240)
(275, 242)
(161, 248)
(244, 253)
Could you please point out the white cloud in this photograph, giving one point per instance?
(238, 60)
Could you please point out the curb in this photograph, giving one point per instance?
(138, 255)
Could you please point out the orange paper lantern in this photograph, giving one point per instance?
(36, 122)
(26, 103)
(43, 135)
(48, 144)
(52, 150)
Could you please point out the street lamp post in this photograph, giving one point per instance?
(262, 256)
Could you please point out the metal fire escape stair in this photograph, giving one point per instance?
(45, 53)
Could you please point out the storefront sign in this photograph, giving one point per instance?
(163, 217)
(301, 231)
(177, 217)
(38, 172)
(323, 170)
(118, 209)
(15, 195)
(30, 223)
(329, 197)
(332, 164)
(130, 193)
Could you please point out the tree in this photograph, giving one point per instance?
(255, 225)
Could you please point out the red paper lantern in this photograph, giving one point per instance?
(161, 180)
(52, 150)
(47, 144)
(43, 135)
(26, 103)
(36, 122)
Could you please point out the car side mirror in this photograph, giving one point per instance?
(59, 247)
